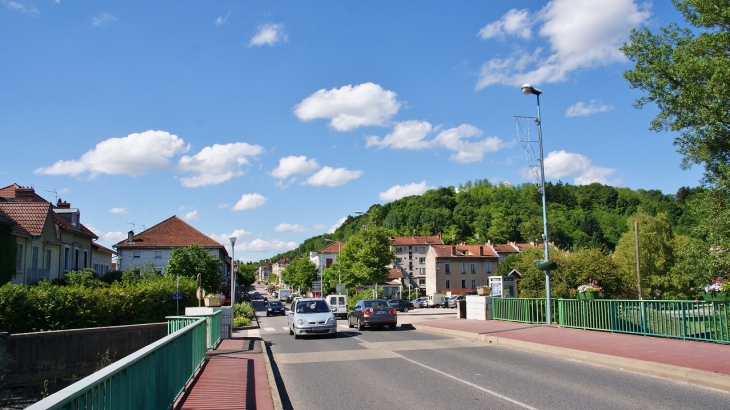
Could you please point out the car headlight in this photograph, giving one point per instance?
(301, 322)
(331, 321)
(269, 309)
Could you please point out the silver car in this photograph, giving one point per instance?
(311, 316)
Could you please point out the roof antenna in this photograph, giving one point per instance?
(143, 228)
(134, 227)
(55, 193)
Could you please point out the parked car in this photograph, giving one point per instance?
(256, 296)
(444, 303)
(372, 313)
(435, 300)
(452, 300)
(338, 304)
(420, 302)
(401, 305)
(311, 316)
(275, 294)
(275, 307)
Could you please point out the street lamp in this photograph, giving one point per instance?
(527, 89)
(233, 273)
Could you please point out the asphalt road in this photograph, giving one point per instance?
(406, 368)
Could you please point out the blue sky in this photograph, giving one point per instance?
(272, 121)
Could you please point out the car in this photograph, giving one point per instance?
(275, 294)
(444, 303)
(401, 305)
(372, 313)
(256, 296)
(338, 304)
(244, 298)
(311, 316)
(275, 307)
(420, 302)
(452, 300)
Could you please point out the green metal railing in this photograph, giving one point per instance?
(150, 378)
(687, 320)
(526, 310)
(213, 325)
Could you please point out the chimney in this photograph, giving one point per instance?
(24, 194)
(63, 205)
(130, 237)
(481, 250)
(453, 249)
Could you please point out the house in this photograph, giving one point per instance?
(278, 267)
(410, 257)
(459, 267)
(156, 244)
(51, 240)
(264, 270)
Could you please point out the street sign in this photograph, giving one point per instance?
(177, 296)
(316, 287)
(340, 289)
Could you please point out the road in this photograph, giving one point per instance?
(406, 368)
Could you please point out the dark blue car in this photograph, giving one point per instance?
(275, 308)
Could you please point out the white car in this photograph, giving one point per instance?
(311, 316)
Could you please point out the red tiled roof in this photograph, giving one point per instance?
(505, 248)
(463, 250)
(25, 194)
(395, 274)
(30, 216)
(172, 232)
(416, 240)
(5, 219)
(103, 248)
(332, 247)
(64, 224)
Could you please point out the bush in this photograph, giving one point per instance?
(244, 309)
(240, 321)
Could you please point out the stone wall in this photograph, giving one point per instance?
(66, 354)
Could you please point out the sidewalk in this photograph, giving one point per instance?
(705, 364)
(234, 376)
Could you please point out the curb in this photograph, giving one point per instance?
(677, 373)
(275, 397)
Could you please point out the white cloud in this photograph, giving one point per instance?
(260, 245)
(119, 210)
(269, 34)
(112, 237)
(581, 109)
(412, 135)
(350, 107)
(249, 201)
(400, 191)
(102, 19)
(582, 34)
(15, 6)
(191, 215)
(292, 165)
(132, 155)
(220, 20)
(223, 205)
(337, 224)
(332, 177)
(319, 227)
(225, 239)
(217, 164)
(514, 22)
(561, 164)
(290, 228)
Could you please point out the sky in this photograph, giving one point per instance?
(272, 121)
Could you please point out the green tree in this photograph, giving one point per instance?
(246, 274)
(364, 258)
(195, 260)
(684, 71)
(300, 273)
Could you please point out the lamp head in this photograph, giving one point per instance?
(233, 240)
(527, 89)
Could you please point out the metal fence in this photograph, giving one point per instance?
(678, 319)
(213, 325)
(150, 378)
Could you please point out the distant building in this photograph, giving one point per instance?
(410, 258)
(459, 267)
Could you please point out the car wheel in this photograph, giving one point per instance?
(296, 336)
(360, 325)
(349, 323)
(333, 335)
(267, 314)
(291, 332)
(405, 309)
(393, 325)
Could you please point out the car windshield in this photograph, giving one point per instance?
(275, 303)
(312, 306)
(375, 303)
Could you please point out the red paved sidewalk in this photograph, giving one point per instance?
(233, 377)
(695, 362)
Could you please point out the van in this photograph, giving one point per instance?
(284, 295)
(435, 300)
(338, 304)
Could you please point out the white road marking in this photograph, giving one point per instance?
(286, 328)
(254, 333)
(493, 393)
(270, 329)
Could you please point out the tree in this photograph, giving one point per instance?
(246, 274)
(300, 273)
(365, 257)
(193, 261)
(684, 71)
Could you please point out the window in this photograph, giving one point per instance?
(473, 268)
(34, 258)
(96, 268)
(489, 267)
(421, 260)
(137, 254)
(399, 260)
(47, 260)
(448, 284)
(422, 271)
(473, 284)
(19, 262)
(158, 255)
(76, 259)
(422, 249)
(448, 269)
(86, 259)
(66, 258)
(421, 281)
(463, 284)
(463, 267)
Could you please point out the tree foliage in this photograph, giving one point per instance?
(195, 260)
(300, 273)
(246, 274)
(364, 258)
(684, 71)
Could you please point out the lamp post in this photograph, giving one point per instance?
(233, 273)
(527, 89)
